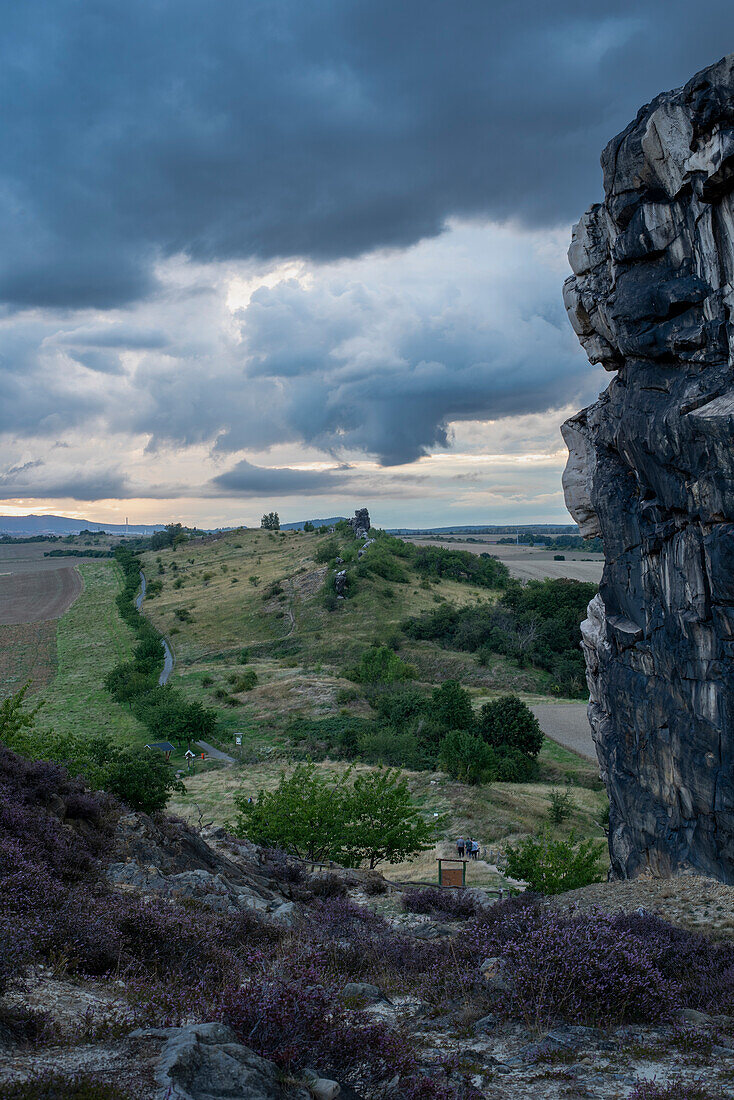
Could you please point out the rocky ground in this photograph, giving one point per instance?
(89, 1025)
(691, 901)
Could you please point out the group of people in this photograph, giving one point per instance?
(468, 848)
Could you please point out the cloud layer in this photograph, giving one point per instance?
(265, 248)
(135, 131)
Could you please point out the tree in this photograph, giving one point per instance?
(302, 815)
(450, 707)
(383, 822)
(141, 778)
(554, 866)
(368, 820)
(508, 723)
(270, 521)
(308, 526)
(466, 757)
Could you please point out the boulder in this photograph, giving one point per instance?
(651, 470)
(205, 1062)
(363, 992)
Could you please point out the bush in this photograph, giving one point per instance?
(554, 866)
(142, 779)
(319, 817)
(380, 665)
(327, 885)
(245, 682)
(466, 757)
(508, 723)
(327, 551)
(62, 1086)
(456, 904)
(561, 806)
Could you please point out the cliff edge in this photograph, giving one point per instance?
(651, 470)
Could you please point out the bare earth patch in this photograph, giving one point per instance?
(31, 597)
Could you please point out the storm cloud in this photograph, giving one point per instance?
(135, 131)
(260, 249)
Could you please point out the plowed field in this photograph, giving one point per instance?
(34, 588)
(34, 597)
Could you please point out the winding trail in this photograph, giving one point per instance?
(167, 651)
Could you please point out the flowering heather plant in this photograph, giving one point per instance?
(454, 904)
(598, 969)
(63, 1086)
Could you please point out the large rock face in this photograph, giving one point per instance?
(651, 469)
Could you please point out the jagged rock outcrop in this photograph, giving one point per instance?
(651, 470)
(361, 523)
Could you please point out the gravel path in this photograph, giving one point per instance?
(216, 754)
(567, 724)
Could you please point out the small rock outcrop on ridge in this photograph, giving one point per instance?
(651, 470)
(361, 523)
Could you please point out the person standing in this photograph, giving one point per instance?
(460, 847)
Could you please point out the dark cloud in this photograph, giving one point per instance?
(247, 480)
(135, 130)
(35, 479)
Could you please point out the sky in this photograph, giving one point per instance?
(268, 254)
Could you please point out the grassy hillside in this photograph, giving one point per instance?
(262, 592)
(91, 638)
(300, 643)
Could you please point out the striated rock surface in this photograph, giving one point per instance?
(651, 469)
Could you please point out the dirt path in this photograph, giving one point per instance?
(216, 754)
(568, 724)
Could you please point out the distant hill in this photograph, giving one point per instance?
(316, 522)
(18, 526)
(489, 529)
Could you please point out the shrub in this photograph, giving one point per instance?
(243, 656)
(183, 614)
(327, 551)
(380, 664)
(508, 723)
(142, 779)
(206, 681)
(62, 1086)
(457, 904)
(245, 682)
(317, 817)
(466, 757)
(327, 885)
(554, 866)
(561, 806)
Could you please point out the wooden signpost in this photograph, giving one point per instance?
(453, 875)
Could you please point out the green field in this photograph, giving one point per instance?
(91, 638)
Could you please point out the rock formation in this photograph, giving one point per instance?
(651, 470)
(361, 523)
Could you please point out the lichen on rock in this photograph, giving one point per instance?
(651, 470)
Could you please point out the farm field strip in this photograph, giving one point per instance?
(527, 562)
(91, 639)
(30, 597)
